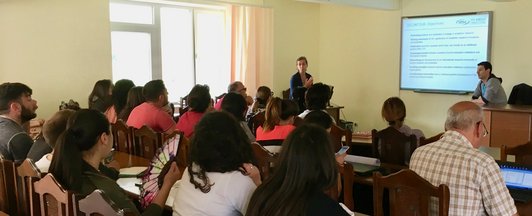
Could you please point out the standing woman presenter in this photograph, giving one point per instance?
(300, 82)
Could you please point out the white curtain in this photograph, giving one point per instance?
(252, 47)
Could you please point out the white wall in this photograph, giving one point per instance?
(57, 47)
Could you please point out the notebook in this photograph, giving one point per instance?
(518, 179)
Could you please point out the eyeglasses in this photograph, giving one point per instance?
(485, 129)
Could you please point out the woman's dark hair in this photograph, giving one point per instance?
(120, 92)
(320, 118)
(394, 111)
(84, 128)
(317, 96)
(199, 98)
(235, 104)
(306, 167)
(134, 98)
(278, 109)
(263, 95)
(99, 99)
(219, 144)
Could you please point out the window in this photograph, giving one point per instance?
(183, 45)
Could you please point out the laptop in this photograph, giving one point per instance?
(518, 179)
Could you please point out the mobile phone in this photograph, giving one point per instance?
(342, 150)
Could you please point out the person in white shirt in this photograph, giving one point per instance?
(220, 178)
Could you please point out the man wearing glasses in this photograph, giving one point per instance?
(16, 108)
(236, 87)
(474, 179)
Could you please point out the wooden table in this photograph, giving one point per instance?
(360, 145)
(131, 185)
(128, 160)
(509, 125)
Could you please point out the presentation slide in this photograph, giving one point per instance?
(441, 53)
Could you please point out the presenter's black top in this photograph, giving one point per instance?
(297, 90)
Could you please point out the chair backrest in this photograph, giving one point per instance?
(122, 136)
(392, 146)
(523, 153)
(99, 204)
(28, 173)
(286, 94)
(265, 159)
(146, 141)
(337, 133)
(348, 177)
(424, 141)
(256, 121)
(8, 187)
(182, 153)
(409, 194)
(53, 198)
(521, 94)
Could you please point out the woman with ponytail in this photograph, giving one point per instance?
(77, 159)
(279, 119)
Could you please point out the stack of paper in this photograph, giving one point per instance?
(131, 172)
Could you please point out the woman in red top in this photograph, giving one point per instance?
(199, 102)
(279, 119)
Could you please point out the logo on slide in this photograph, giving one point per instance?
(462, 22)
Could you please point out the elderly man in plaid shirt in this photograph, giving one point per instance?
(473, 177)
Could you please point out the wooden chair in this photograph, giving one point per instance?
(146, 142)
(424, 141)
(53, 198)
(523, 153)
(8, 187)
(182, 154)
(99, 204)
(256, 121)
(348, 174)
(392, 146)
(286, 93)
(337, 133)
(28, 174)
(122, 136)
(264, 159)
(409, 194)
